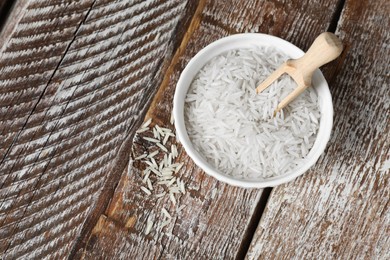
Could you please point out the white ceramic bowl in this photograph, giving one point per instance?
(248, 40)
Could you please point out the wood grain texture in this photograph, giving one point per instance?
(340, 208)
(214, 223)
(74, 78)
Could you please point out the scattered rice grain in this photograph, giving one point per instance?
(146, 178)
(149, 183)
(179, 167)
(172, 198)
(172, 181)
(147, 123)
(155, 171)
(166, 178)
(153, 140)
(165, 160)
(162, 147)
(159, 129)
(166, 213)
(155, 165)
(141, 130)
(151, 155)
(174, 151)
(161, 166)
(165, 223)
(160, 195)
(162, 182)
(172, 120)
(165, 139)
(166, 173)
(182, 187)
(141, 156)
(149, 226)
(146, 190)
(151, 165)
(181, 208)
(169, 161)
(174, 189)
(166, 130)
(156, 134)
(170, 134)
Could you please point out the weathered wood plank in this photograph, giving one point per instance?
(340, 208)
(214, 223)
(74, 78)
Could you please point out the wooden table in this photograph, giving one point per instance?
(78, 78)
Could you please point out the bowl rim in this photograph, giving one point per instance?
(250, 39)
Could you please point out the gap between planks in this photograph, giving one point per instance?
(336, 16)
(253, 223)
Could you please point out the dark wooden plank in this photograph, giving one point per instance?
(340, 208)
(10, 14)
(75, 76)
(5, 7)
(2, 4)
(216, 220)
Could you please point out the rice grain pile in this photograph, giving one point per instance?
(233, 128)
(161, 172)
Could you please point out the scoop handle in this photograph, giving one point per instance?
(325, 48)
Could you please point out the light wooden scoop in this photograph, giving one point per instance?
(325, 48)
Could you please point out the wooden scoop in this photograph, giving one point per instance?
(325, 48)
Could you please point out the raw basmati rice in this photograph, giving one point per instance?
(160, 195)
(149, 226)
(141, 130)
(147, 123)
(146, 190)
(153, 140)
(165, 223)
(233, 128)
(162, 147)
(165, 139)
(149, 183)
(141, 157)
(151, 155)
(172, 198)
(161, 169)
(166, 213)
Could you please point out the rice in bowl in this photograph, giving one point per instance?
(233, 128)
